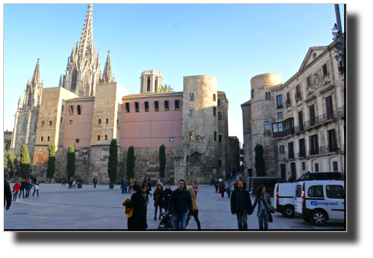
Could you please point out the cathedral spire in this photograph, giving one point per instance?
(86, 41)
(106, 77)
(36, 77)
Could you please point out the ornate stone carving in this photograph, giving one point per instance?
(316, 80)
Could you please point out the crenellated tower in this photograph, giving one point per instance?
(83, 66)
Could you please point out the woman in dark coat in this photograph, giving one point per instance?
(23, 185)
(166, 195)
(158, 201)
(137, 221)
(264, 208)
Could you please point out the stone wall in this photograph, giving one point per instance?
(233, 152)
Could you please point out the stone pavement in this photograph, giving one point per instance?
(101, 208)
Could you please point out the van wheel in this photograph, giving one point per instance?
(288, 211)
(318, 218)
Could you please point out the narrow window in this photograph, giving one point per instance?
(71, 110)
(62, 107)
(282, 149)
(335, 166)
(213, 97)
(98, 137)
(191, 96)
(148, 84)
(303, 165)
(156, 106)
(41, 139)
(219, 102)
(127, 107)
(50, 123)
(279, 115)
(171, 139)
(308, 81)
(42, 123)
(61, 120)
(252, 93)
(191, 136)
(214, 111)
(191, 112)
(316, 167)
(279, 101)
(99, 121)
(48, 138)
(220, 138)
(107, 120)
(137, 107)
(76, 140)
(105, 137)
(146, 106)
(177, 104)
(266, 95)
(79, 109)
(269, 96)
(215, 136)
(324, 70)
(24, 124)
(71, 121)
(166, 105)
(219, 115)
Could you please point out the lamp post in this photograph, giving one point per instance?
(338, 36)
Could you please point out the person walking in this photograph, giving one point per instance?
(94, 181)
(132, 183)
(221, 189)
(135, 206)
(228, 189)
(16, 188)
(195, 188)
(158, 200)
(195, 208)
(74, 183)
(7, 195)
(122, 184)
(180, 202)
(63, 181)
(166, 197)
(145, 193)
(36, 188)
(241, 205)
(27, 187)
(216, 186)
(125, 185)
(22, 190)
(263, 199)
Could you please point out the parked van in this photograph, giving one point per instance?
(268, 182)
(284, 198)
(320, 176)
(319, 201)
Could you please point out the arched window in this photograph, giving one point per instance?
(148, 84)
(99, 121)
(196, 159)
(267, 127)
(98, 137)
(107, 120)
(24, 125)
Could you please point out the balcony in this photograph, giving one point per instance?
(333, 148)
(299, 129)
(301, 154)
(319, 120)
(280, 106)
(291, 155)
(341, 111)
(287, 102)
(298, 96)
(314, 151)
(283, 129)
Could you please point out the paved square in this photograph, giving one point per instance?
(101, 208)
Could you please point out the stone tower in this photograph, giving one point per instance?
(150, 81)
(262, 116)
(83, 66)
(199, 130)
(26, 117)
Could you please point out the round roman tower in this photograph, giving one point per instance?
(262, 117)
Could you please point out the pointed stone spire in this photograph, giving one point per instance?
(36, 77)
(86, 41)
(106, 77)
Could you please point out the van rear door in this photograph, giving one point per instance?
(335, 200)
(298, 199)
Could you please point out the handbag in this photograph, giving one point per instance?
(270, 218)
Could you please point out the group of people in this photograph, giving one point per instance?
(180, 205)
(73, 182)
(25, 185)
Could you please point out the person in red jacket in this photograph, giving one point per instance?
(221, 188)
(16, 188)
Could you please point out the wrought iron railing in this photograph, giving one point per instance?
(301, 154)
(320, 119)
(314, 151)
(298, 95)
(287, 102)
(280, 106)
(291, 155)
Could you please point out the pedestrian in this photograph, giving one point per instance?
(132, 183)
(264, 207)
(159, 181)
(222, 188)
(7, 195)
(74, 183)
(228, 188)
(216, 186)
(220, 179)
(23, 185)
(195, 188)
(180, 202)
(16, 188)
(135, 206)
(166, 197)
(158, 200)
(241, 205)
(122, 184)
(27, 187)
(94, 181)
(136, 181)
(63, 181)
(195, 208)
(70, 182)
(145, 193)
(149, 180)
(125, 185)
(36, 188)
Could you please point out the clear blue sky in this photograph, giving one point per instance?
(230, 42)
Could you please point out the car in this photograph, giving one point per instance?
(268, 182)
(284, 198)
(320, 176)
(320, 201)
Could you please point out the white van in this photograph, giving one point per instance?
(284, 198)
(319, 201)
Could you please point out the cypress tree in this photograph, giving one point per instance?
(71, 161)
(5, 160)
(51, 161)
(113, 162)
(25, 162)
(162, 160)
(130, 162)
(11, 160)
(259, 160)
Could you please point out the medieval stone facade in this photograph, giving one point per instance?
(89, 110)
(300, 123)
